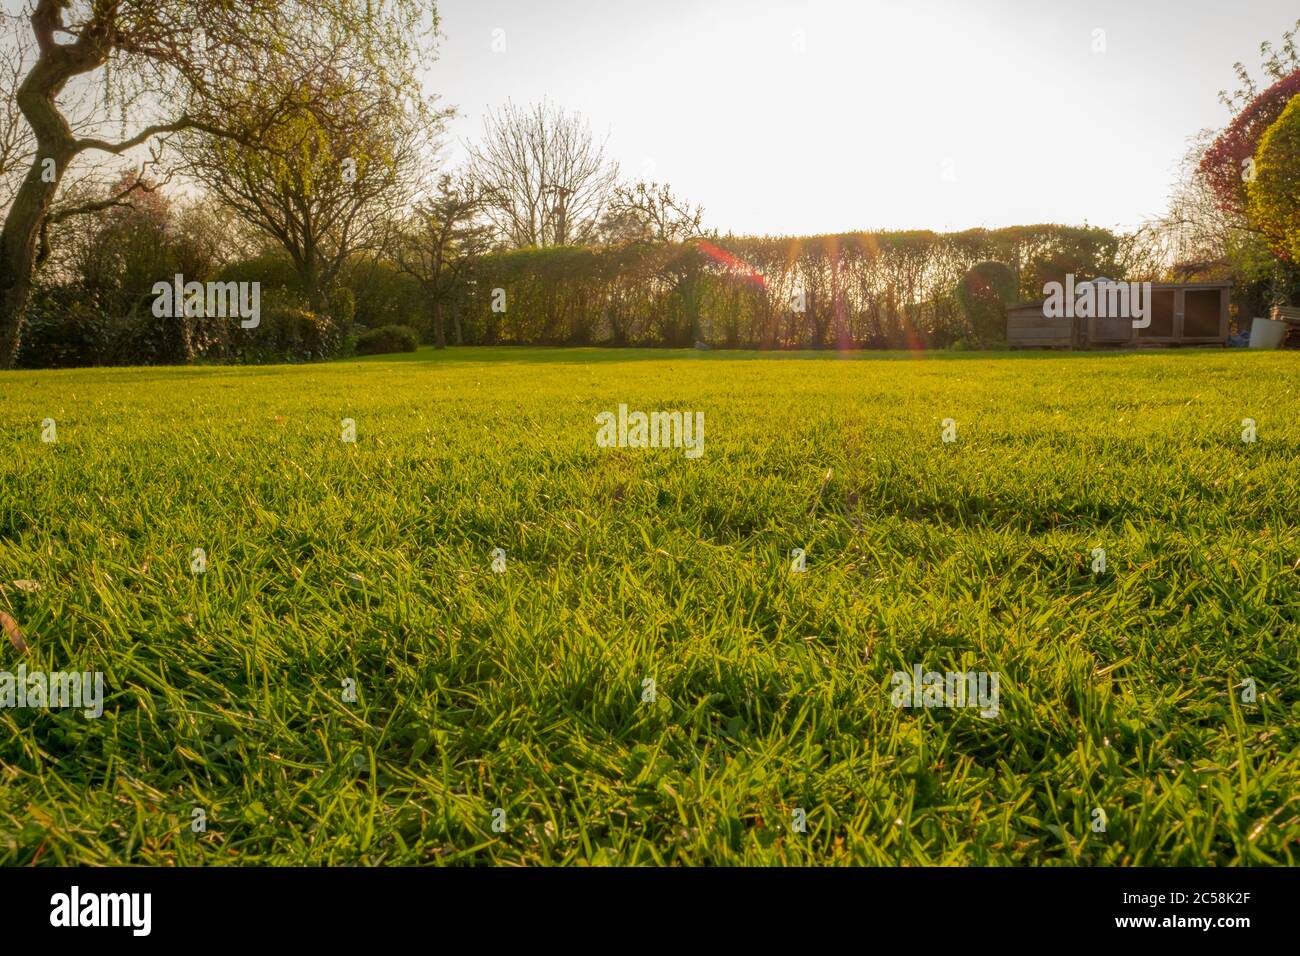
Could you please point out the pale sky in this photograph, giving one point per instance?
(818, 116)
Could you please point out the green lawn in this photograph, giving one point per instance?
(476, 691)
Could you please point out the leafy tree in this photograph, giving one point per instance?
(1229, 162)
(178, 65)
(329, 172)
(1274, 196)
(1226, 163)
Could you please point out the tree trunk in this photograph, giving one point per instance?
(18, 258)
(314, 286)
(22, 228)
(439, 326)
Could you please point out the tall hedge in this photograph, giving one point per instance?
(854, 290)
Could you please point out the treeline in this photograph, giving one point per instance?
(855, 290)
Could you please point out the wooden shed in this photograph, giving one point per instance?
(1028, 327)
(1188, 313)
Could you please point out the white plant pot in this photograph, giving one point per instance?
(1267, 334)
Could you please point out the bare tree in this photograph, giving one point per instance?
(1194, 235)
(16, 142)
(548, 179)
(649, 212)
(1276, 63)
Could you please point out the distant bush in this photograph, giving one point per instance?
(984, 293)
(63, 331)
(859, 290)
(298, 333)
(386, 339)
(285, 333)
(68, 327)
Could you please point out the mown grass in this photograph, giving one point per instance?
(523, 691)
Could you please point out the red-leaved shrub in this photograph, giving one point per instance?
(1224, 162)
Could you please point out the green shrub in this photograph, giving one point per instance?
(69, 327)
(984, 293)
(1274, 195)
(63, 331)
(297, 333)
(386, 339)
(286, 333)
